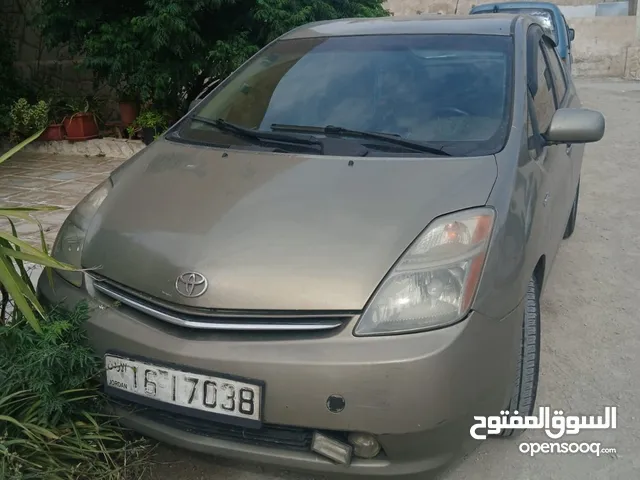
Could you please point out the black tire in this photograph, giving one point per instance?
(523, 398)
(571, 223)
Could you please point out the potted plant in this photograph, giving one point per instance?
(128, 106)
(55, 131)
(149, 125)
(82, 124)
(27, 124)
(26, 119)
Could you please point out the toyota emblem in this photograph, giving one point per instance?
(191, 284)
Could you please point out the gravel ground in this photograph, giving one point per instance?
(591, 332)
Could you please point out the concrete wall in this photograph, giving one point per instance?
(632, 68)
(461, 7)
(600, 47)
(619, 9)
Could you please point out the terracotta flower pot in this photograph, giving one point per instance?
(128, 112)
(81, 126)
(53, 133)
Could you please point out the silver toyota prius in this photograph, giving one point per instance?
(334, 261)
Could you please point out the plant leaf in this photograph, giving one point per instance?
(9, 211)
(20, 146)
(19, 262)
(43, 259)
(18, 291)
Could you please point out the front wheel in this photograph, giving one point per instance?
(523, 397)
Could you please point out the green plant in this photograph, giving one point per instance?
(89, 104)
(14, 278)
(58, 109)
(167, 50)
(51, 420)
(148, 119)
(27, 118)
(127, 94)
(7, 155)
(78, 105)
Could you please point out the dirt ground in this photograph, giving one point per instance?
(590, 325)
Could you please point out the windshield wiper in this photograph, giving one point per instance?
(239, 131)
(385, 137)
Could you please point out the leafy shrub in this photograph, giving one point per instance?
(48, 363)
(148, 119)
(51, 421)
(26, 119)
(51, 424)
(168, 50)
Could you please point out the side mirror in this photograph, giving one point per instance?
(575, 125)
(572, 34)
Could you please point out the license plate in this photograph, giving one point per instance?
(197, 392)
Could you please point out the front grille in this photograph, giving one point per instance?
(207, 319)
(292, 438)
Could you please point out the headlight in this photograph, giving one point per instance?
(68, 245)
(434, 282)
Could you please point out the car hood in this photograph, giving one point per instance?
(271, 231)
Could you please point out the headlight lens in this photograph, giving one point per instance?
(435, 281)
(70, 240)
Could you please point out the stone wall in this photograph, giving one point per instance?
(54, 67)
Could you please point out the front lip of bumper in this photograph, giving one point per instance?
(418, 393)
(306, 461)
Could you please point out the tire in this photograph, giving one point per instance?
(571, 223)
(523, 397)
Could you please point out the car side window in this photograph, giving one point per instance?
(535, 143)
(544, 103)
(557, 71)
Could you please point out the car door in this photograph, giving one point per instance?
(568, 62)
(552, 159)
(565, 98)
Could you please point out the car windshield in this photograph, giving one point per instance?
(451, 91)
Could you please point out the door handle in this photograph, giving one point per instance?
(569, 148)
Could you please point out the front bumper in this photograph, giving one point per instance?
(417, 393)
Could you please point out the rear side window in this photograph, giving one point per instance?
(557, 70)
(534, 145)
(542, 92)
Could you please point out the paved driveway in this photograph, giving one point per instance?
(591, 329)
(56, 180)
